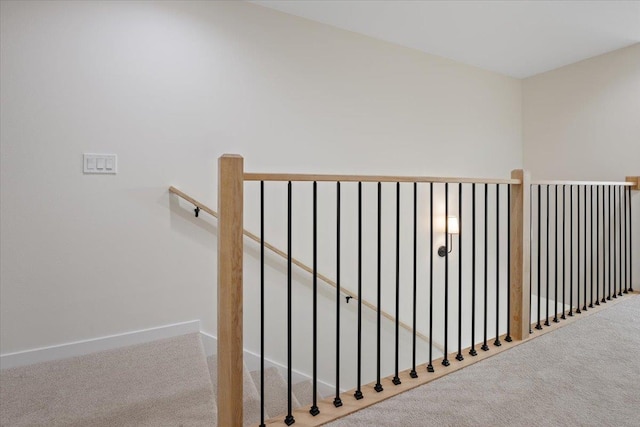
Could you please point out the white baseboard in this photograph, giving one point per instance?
(80, 348)
(252, 360)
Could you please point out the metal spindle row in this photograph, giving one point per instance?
(598, 218)
(612, 247)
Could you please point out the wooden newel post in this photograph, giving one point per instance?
(520, 266)
(230, 348)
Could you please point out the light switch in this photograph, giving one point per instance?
(100, 163)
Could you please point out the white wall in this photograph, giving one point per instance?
(582, 122)
(169, 87)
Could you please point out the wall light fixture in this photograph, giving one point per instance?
(453, 227)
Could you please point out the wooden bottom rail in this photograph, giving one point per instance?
(329, 413)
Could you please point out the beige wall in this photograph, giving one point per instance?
(169, 87)
(582, 122)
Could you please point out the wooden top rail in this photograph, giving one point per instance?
(300, 265)
(622, 183)
(373, 178)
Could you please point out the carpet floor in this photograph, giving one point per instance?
(155, 384)
(163, 383)
(584, 374)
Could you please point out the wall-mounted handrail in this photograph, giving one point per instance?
(301, 265)
(202, 206)
(373, 178)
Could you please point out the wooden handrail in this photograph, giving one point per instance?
(372, 178)
(555, 182)
(198, 204)
(300, 264)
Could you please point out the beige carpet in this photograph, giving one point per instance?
(275, 392)
(157, 384)
(251, 396)
(585, 374)
(164, 383)
(303, 392)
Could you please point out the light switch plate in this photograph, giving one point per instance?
(100, 163)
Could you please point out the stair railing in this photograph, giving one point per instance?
(518, 259)
(230, 242)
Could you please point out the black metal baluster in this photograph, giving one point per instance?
(459, 356)
(630, 245)
(378, 386)
(546, 321)
(337, 402)
(508, 337)
(262, 304)
(555, 251)
(606, 282)
(615, 244)
(619, 231)
(564, 251)
(314, 407)
(538, 325)
(571, 250)
(612, 245)
(584, 306)
(289, 418)
(430, 365)
(578, 245)
(413, 372)
(473, 351)
(612, 249)
(445, 361)
(626, 287)
(485, 347)
(598, 245)
(497, 342)
(591, 248)
(358, 393)
(530, 256)
(396, 378)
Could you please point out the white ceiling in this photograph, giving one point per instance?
(516, 38)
